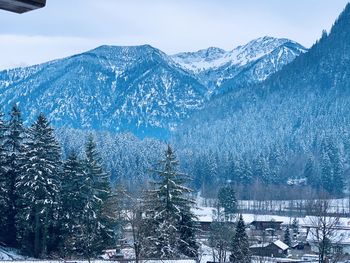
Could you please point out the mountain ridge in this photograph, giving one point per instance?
(116, 88)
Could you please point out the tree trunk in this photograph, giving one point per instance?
(37, 234)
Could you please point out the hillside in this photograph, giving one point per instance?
(293, 125)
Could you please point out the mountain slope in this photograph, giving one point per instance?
(136, 89)
(295, 124)
(251, 63)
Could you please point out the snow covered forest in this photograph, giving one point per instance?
(118, 146)
(66, 207)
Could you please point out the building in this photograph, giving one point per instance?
(263, 225)
(338, 233)
(272, 249)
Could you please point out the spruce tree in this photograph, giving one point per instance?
(3, 186)
(338, 171)
(310, 174)
(286, 238)
(39, 191)
(73, 181)
(169, 212)
(295, 226)
(188, 244)
(95, 233)
(240, 252)
(14, 147)
(327, 174)
(262, 169)
(227, 200)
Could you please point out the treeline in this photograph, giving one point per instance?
(126, 157)
(272, 172)
(49, 205)
(273, 168)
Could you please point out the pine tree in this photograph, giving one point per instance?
(95, 233)
(3, 186)
(236, 171)
(310, 174)
(169, 212)
(286, 239)
(262, 169)
(295, 226)
(240, 252)
(247, 176)
(227, 200)
(338, 171)
(188, 245)
(39, 191)
(209, 173)
(14, 147)
(73, 181)
(327, 174)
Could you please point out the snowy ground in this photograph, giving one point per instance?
(206, 214)
(335, 205)
(94, 261)
(9, 254)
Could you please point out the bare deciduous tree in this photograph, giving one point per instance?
(324, 231)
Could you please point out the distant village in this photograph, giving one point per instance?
(268, 241)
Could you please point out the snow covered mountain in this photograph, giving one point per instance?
(138, 89)
(251, 63)
(112, 88)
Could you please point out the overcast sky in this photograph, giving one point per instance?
(67, 27)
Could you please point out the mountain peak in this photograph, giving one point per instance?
(266, 44)
(109, 49)
(207, 61)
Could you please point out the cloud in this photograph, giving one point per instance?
(67, 27)
(19, 50)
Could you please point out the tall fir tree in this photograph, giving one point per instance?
(327, 174)
(295, 226)
(286, 238)
(338, 171)
(188, 245)
(169, 212)
(39, 189)
(96, 231)
(240, 252)
(3, 186)
(14, 147)
(73, 180)
(227, 200)
(262, 170)
(310, 174)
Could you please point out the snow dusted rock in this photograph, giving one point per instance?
(137, 89)
(10, 254)
(251, 63)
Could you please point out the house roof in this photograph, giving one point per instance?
(277, 243)
(267, 222)
(281, 245)
(262, 245)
